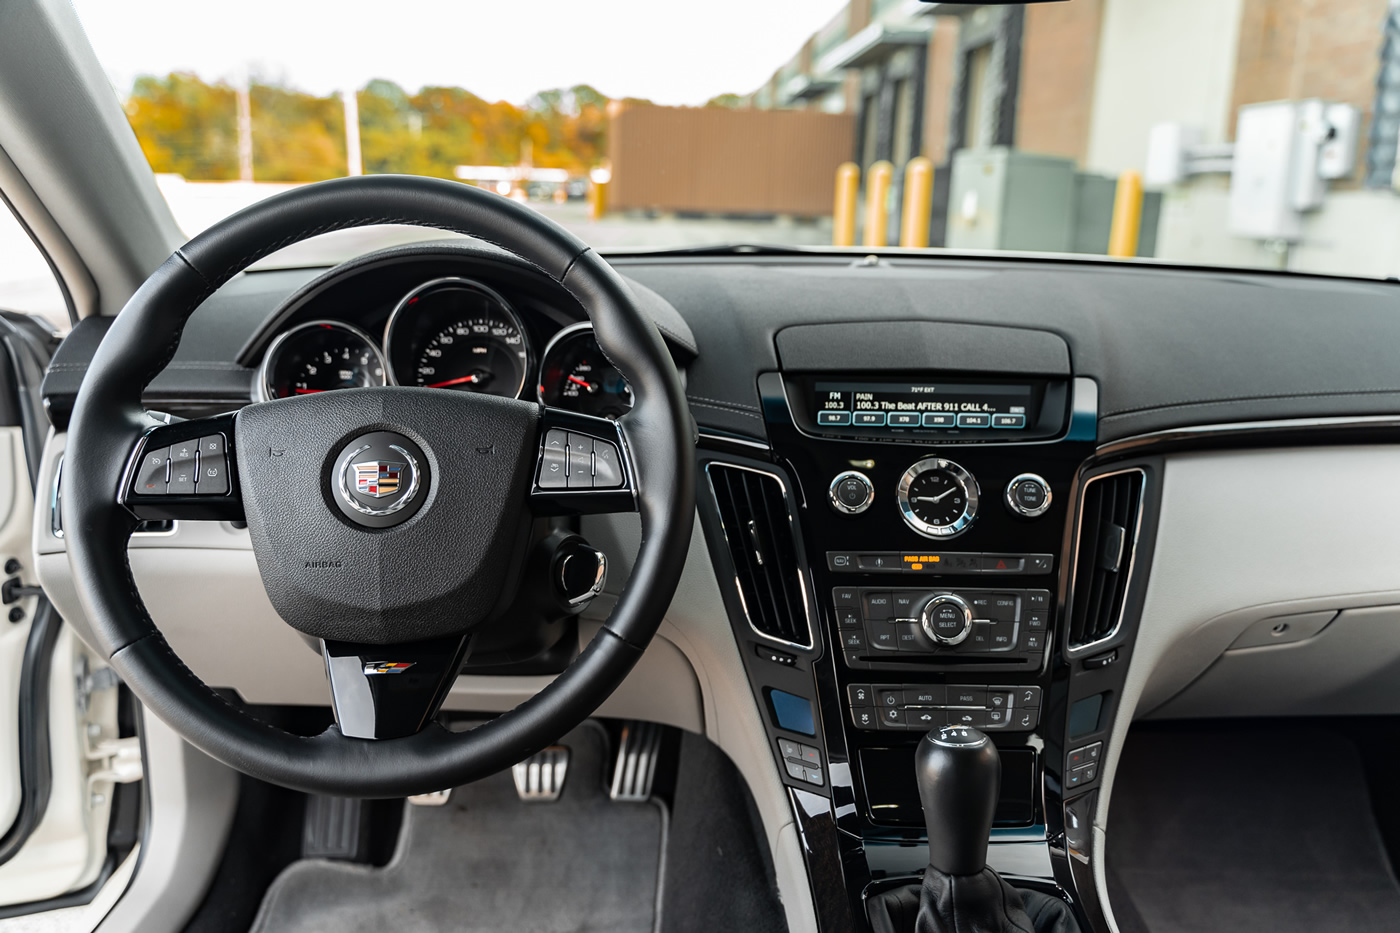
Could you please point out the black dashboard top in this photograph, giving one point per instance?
(1168, 347)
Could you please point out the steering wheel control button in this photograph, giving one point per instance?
(211, 477)
(851, 493)
(151, 476)
(379, 479)
(1028, 496)
(607, 465)
(947, 619)
(183, 458)
(580, 461)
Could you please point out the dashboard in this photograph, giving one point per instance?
(452, 333)
(1024, 495)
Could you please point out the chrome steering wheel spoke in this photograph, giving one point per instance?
(390, 691)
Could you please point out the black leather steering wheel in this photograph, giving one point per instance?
(387, 522)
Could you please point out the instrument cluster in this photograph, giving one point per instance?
(454, 334)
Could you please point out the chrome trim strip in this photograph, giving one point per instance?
(262, 383)
(796, 533)
(842, 507)
(460, 282)
(715, 437)
(1140, 442)
(1074, 651)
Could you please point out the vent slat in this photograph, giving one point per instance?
(754, 513)
(1109, 514)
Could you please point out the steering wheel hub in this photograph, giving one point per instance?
(380, 479)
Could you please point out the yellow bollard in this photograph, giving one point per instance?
(598, 203)
(843, 212)
(1127, 216)
(918, 203)
(877, 207)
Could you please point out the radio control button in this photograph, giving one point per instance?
(881, 637)
(940, 420)
(853, 640)
(981, 637)
(848, 617)
(947, 619)
(845, 596)
(851, 493)
(879, 607)
(1028, 495)
(974, 421)
(903, 419)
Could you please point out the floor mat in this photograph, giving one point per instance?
(1245, 831)
(487, 862)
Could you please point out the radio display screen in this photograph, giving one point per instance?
(937, 405)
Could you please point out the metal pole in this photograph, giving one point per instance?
(245, 132)
(918, 202)
(843, 212)
(877, 208)
(354, 164)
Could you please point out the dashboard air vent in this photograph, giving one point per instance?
(759, 531)
(1109, 513)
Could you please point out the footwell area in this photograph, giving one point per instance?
(1242, 829)
(488, 862)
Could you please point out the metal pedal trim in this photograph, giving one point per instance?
(436, 798)
(635, 767)
(540, 778)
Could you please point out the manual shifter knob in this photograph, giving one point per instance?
(959, 775)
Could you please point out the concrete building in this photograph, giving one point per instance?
(1088, 80)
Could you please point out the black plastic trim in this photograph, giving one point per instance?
(35, 763)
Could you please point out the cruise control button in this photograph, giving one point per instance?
(213, 444)
(607, 465)
(182, 467)
(150, 476)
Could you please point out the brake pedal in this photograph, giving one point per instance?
(540, 778)
(635, 767)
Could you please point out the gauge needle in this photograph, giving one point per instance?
(308, 391)
(577, 381)
(452, 382)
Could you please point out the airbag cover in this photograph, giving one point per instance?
(441, 571)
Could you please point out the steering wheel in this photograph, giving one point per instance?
(388, 523)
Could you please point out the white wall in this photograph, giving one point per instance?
(1161, 61)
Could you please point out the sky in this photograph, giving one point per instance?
(669, 51)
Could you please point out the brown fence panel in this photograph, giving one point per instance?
(714, 160)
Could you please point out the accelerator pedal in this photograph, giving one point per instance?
(635, 767)
(540, 778)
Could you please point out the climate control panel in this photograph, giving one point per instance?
(878, 624)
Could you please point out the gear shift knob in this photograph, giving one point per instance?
(959, 775)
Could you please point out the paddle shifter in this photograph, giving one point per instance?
(959, 775)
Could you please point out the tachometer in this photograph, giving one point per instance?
(457, 334)
(319, 356)
(575, 375)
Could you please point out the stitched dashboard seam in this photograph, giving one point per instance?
(727, 409)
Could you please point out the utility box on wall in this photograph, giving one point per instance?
(1003, 199)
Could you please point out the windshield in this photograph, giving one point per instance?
(1258, 133)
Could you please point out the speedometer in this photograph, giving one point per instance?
(457, 334)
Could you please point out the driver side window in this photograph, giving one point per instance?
(27, 283)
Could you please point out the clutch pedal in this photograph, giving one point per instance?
(540, 778)
(635, 767)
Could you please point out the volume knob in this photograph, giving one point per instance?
(947, 619)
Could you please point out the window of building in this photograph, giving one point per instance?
(903, 122)
(27, 283)
(1385, 125)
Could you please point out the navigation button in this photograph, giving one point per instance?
(906, 603)
(910, 637)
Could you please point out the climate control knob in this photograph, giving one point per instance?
(947, 619)
(851, 493)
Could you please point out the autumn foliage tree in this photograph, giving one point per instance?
(190, 127)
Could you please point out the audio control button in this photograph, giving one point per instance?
(1028, 495)
(851, 493)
